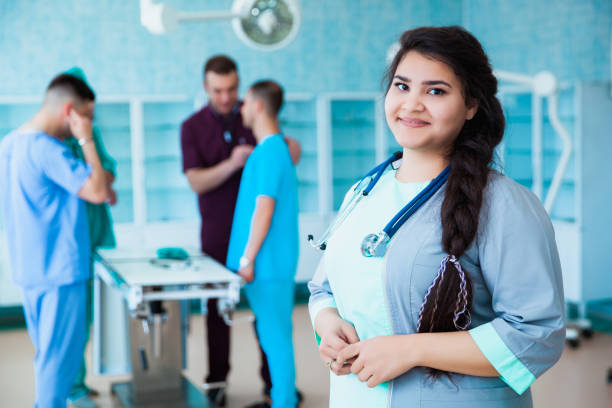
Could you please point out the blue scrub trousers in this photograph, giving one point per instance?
(272, 303)
(55, 317)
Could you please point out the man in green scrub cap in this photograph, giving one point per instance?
(101, 236)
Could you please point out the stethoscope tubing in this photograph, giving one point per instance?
(399, 219)
(396, 222)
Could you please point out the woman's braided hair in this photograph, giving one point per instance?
(448, 301)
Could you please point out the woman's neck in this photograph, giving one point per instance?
(420, 166)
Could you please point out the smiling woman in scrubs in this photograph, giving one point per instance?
(465, 309)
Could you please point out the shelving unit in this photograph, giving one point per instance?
(298, 121)
(351, 141)
(168, 195)
(525, 116)
(580, 213)
(113, 120)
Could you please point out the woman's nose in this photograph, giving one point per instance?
(411, 101)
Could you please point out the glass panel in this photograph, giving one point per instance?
(353, 144)
(169, 197)
(13, 116)
(564, 207)
(113, 120)
(298, 121)
(518, 148)
(517, 138)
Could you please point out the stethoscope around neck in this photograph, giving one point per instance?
(375, 245)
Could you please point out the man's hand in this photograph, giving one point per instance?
(112, 196)
(247, 273)
(239, 155)
(80, 126)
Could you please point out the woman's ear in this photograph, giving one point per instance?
(472, 109)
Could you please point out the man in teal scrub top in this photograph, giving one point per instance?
(100, 236)
(264, 240)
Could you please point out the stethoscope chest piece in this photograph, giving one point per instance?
(375, 245)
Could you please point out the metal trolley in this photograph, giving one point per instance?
(140, 321)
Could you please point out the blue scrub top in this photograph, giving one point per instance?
(45, 220)
(268, 172)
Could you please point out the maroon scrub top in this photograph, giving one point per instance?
(204, 144)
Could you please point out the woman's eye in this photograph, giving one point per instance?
(401, 86)
(436, 91)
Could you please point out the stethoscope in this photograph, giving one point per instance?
(228, 131)
(375, 245)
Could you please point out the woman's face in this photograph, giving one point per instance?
(425, 107)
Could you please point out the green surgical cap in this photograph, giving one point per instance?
(78, 73)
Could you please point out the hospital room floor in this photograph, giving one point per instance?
(578, 380)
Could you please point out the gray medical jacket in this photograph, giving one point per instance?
(517, 295)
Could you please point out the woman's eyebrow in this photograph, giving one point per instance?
(428, 82)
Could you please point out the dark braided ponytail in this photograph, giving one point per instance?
(448, 301)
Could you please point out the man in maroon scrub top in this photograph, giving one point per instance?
(215, 147)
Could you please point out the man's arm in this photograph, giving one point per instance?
(295, 149)
(108, 164)
(95, 188)
(260, 225)
(202, 180)
(112, 194)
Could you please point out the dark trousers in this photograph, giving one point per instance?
(218, 335)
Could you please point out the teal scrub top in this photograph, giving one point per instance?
(268, 172)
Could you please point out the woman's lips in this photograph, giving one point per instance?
(413, 123)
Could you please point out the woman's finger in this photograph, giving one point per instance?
(336, 344)
(349, 332)
(373, 381)
(348, 352)
(364, 375)
(340, 369)
(357, 366)
(330, 351)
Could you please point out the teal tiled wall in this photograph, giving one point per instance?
(341, 45)
(567, 37)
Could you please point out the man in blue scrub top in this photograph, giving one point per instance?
(42, 188)
(264, 240)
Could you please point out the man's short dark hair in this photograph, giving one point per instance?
(220, 64)
(270, 93)
(72, 86)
